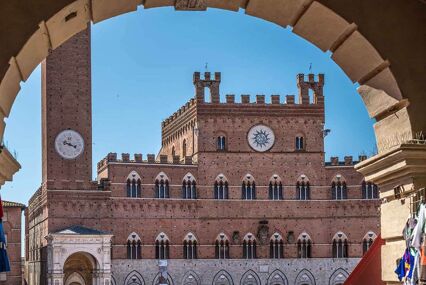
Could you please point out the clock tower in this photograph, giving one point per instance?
(67, 115)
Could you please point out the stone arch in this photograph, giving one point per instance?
(315, 22)
(338, 277)
(113, 282)
(75, 279)
(134, 278)
(191, 278)
(277, 277)
(250, 278)
(78, 268)
(157, 277)
(222, 278)
(305, 277)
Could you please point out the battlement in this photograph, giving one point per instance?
(306, 83)
(138, 158)
(347, 161)
(207, 82)
(182, 110)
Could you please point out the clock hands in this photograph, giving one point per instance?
(69, 144)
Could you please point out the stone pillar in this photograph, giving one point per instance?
(400, 172)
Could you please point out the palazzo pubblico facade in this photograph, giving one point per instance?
(240, 192)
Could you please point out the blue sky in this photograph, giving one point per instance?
(142, 66)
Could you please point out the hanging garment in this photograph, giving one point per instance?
(423, 264)
(416, 240)
(4, 260)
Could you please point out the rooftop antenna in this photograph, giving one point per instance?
(310, 67)
(206, 66)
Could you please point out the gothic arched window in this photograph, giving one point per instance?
(133, 185)
(162, 246)
(338, 188)
(221, 143)
(190, 247)
(222, 247)
(367, 241)
(276, 246)
(162, 186)
(134, 250)
(275, 188)
(340, 245)
(248, 189)
(300, 144)
(303, 190)
(249, 246)
(304, 246)
(189, 187)
(369, 190)
(221, 187)
(184, 148)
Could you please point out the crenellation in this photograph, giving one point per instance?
(260, 99)
(289, 99)
(151, 158)
(310, 84)
(334, 160)
(348, 160)
(275, 99)
(163, 158)
(125, 157)
(138, 157)
(230, 99)
(245, 99)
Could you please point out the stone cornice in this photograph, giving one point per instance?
(8, 166)
(405, 160)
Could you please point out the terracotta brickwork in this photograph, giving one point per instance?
(12, 228)
(69, 197)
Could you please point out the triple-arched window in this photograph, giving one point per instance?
(369, 190)
(338, 188)
(248, 188)
(222, 247)
(340, 245)
(276, 246)
(134, 250)
(304, 246)
(303, 190)
(275, 188)
(221, 187)
(249, 246)
(162, 246)
(162, 186)
(133, 186)
(189, 187)
(190, 247)
(367, 241)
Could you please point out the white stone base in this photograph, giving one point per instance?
(313, 271)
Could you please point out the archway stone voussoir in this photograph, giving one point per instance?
(158, 3)
(233, 5)
(68, 22)
(9, 87)
(35, 50)
(105, 9)
(357, 57)
(321, 26)
(277, 11)
(385, 81)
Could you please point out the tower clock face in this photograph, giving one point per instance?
(261, 138)
(69, 144)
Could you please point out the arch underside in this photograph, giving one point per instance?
(316, 21)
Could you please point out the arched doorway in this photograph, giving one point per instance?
(79, 269)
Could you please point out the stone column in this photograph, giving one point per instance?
(400, 172)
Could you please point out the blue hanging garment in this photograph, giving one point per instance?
(4, 260)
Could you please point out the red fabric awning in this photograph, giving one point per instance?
(368, 270)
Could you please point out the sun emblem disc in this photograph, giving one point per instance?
(261, 138)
